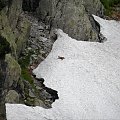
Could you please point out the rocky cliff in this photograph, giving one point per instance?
(72, 16)
(14, 31)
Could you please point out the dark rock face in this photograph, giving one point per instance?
(94, 7)
(30, 5)
(4, 3)
(4, 49)
(53, 93)
(2, 82)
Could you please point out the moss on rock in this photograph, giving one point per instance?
(7, 32)
(13, 71)
(12, 97)
(23, 28)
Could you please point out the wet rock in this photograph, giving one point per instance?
(39, 87)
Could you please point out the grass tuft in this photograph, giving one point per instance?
(108, 4)
(25, 73)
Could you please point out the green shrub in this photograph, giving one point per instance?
(24, 61)
(25, 73)
(108, 4)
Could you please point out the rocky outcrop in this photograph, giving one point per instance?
(4, 49)
(38, 47)
(94, 7)
(39, 95)
(14, 31)
(72, 16)
(40, 40)
(14, 27)
(12, 97)
(17, 86)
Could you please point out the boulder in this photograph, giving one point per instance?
(38, 102)
(12, 97)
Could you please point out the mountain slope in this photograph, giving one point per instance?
(87, 80)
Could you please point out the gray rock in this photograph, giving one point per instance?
(13, 72)
(31, 94)
(12, 97)
(38, 102)
(39, 40)
(102, 38)
(10, 11)
(94, 7)
(72, 16)
(38, 87)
